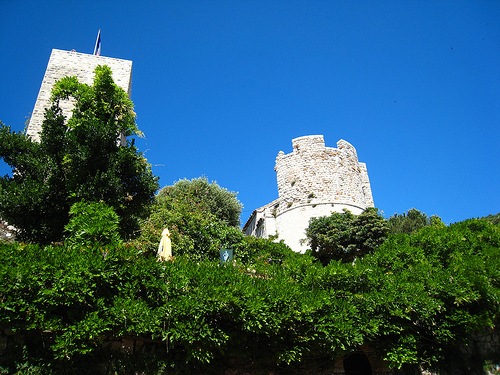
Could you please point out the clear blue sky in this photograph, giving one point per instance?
(220, 87)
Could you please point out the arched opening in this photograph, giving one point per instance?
(357, 363)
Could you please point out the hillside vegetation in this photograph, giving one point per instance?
(414, 300)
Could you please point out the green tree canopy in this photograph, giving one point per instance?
(495, 219)
(200, 216)
(85, 157)
(344, 236)
(411, 221)
(209, 195)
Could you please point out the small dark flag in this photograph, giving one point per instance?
(97, 49)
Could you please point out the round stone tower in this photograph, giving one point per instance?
(314, 181)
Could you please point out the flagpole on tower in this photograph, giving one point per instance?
(97, 49)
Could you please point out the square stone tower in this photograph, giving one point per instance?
(74, 64)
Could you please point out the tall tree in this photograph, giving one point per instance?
(85, 157)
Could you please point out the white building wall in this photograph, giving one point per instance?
(292, 223)
(262, 222)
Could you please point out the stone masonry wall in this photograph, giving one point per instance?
(81, 65)
(314, 174)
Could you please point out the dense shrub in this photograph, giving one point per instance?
(344, 236)
(93, 224)
(412, 300)
(68, 301)
(200, 216)
(435, 288)
(411, 221)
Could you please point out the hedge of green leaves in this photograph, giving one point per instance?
(412, 300)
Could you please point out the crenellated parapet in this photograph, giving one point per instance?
(314, 174)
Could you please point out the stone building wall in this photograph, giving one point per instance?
(81, 65)
(262, 222)
(313, 173)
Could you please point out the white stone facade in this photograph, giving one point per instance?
(313, 181)
(262, 222)
(69, 63)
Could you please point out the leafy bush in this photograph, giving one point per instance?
(194, 232)
(344, 236)
(414, 300)
(200, 216)
(251, 250)
(70, 301)
(411, 222)
(433, 289)
(494, 219)
(93, 224)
